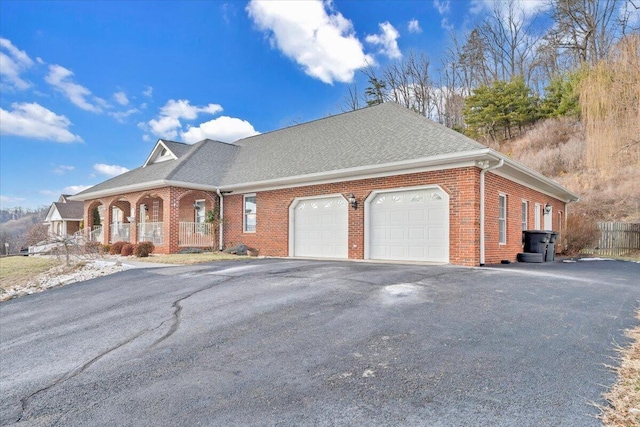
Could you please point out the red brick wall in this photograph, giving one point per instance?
(272, 229)
(176, 206)
(516, 193)
(462, 185)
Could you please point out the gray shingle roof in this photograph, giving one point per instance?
(368, 137)
(70, 209)
(204, 162)
(177, 148)
(371, 136)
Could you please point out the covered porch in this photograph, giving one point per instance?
(171, 218)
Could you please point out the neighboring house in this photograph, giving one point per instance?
(378, 183)
(64, 216)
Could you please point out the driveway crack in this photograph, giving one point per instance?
(26, 400)
(177, 310)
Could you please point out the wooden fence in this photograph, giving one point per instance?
(617, 239)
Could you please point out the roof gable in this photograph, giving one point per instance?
(165, 150)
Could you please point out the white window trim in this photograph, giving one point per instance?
(502, 196)
(536, 215)
(525, 215)
(204, 211)
(244, 212)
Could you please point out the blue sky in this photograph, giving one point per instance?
(87, 88)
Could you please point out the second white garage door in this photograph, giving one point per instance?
(321, 227)
(409, 225)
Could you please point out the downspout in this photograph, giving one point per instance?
(485, 168)
(220, 227)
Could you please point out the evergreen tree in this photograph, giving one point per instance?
(496, 110)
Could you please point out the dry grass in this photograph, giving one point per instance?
(19, 270)
(624, 396)
(188, 259)
(557, 148)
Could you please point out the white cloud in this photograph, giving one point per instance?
(31, 120)
(146, 138)
(414, 26)
(148, 92)
(9, 200)
(60, 78)
(182, 109)
(443, 7)
(388, 40)
(13, 61)
(121, 98)
(62, 169)
(168, 122)
(110, 170)
(74, 189)
(122, 115)
(314, 35)
(528, 7)
(224, 128)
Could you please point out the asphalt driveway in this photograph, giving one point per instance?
(293, 342)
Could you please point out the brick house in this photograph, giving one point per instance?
(64, 217)
(378, 183)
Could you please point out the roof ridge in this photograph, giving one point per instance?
(182, 160)
(318, 120)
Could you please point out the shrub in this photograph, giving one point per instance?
(127, 249)
(143, 249)
(582, 233)
(116, 248)
(105, 249)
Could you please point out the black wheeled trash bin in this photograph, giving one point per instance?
(535, 241)
(551, 247)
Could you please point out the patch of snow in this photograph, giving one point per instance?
(568, 260)
(596, 259)
(401, 289)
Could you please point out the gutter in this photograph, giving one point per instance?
(485, 168)
(220, 227)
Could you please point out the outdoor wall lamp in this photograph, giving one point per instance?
(547, 208)
(352, 200)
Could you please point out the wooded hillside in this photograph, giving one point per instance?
(558, 90)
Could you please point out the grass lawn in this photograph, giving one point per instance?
(188, 259)
(18, 270)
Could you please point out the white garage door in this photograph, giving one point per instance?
(321, 228)
(411, 225)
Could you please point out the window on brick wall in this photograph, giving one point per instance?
(250, 210)
(502, 219)
(525, 214)
(536, 216)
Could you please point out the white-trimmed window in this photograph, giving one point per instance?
(536, 215)
(250, 211)
(502, 219)
(199, 211)
(525, 215)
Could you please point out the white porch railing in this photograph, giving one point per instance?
(151, 232)
(196, 234)
(119, 232)
(96, 234)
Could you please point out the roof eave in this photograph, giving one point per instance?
(362, 171)
(140, 187)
